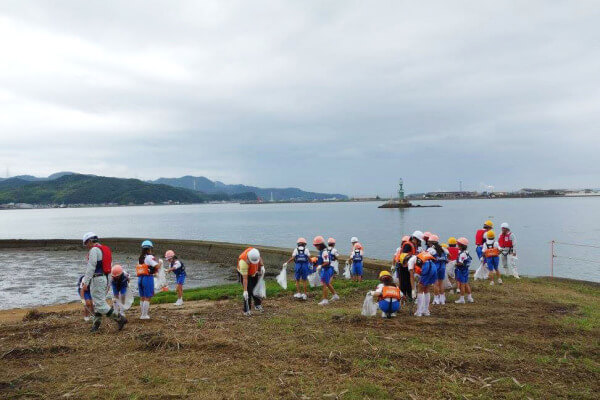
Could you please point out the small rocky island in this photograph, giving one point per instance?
(401, 202)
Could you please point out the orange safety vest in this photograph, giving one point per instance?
(142, 270)
(491, 252)
(423, 257)
(252, 268)
(390, 292)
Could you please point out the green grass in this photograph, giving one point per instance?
(234, 290)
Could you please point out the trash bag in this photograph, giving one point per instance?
(282, 278)
(481, 273)
(128, 302)
(369, 308)
(347, 274)
(260, 290)
(512, 262)
(314, 280)
(160, 280)
(450, 273)
(336, 267)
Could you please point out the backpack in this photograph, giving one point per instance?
(106, 258)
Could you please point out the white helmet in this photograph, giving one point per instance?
(354, 240)
(88, 236)
(504, 225)
(254, 256)
(418, 234)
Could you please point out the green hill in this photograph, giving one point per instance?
(89, 189)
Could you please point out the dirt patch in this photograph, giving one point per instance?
(29, 352)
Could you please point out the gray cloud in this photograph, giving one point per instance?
(336, 96)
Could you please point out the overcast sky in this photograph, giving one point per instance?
(329, 96)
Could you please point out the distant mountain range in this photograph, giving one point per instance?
(72, 188)
(202, 184)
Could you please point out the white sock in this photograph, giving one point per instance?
(443, 297)
(419, 303)
(462, 298)
(469, 296)
(146, 308)
(143, 308)
(426, 302)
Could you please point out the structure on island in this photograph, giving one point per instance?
(401, 202)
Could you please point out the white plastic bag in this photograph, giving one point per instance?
(369, 308)
(336, 267)
(160, 280)
(512, 262)
(481, 273)
(450, 273)
(128, 302)
(260, 290)
(314, 279)
(347, 274)
(282, 278)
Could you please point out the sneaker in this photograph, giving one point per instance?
(96, 325)
(297, 296)
(436, 301)
(335, 297)
(457, 290)
(460, 301)
(179, 302)
(499, 281)
(418, 314)
(470, 299)
(426, 314)
(304, 296)
(383, 314)
(247, 314)
(145, 317)
(121, 322)
(393, 314)
(259, 308)
(324, 302)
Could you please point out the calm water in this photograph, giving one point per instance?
(535, 222)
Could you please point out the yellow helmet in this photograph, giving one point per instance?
(445, 245)
(489, 223)
(452, 240)
(490, 234)
(384, 273)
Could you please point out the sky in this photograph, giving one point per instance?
(337, 96)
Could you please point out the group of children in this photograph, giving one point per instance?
(146, 270)
(325, 265)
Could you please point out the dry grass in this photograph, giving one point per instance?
(529, 339)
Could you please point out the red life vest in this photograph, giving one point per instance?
(390, 292)
(252, 268)
(505, 241)
(453, 253)
(103, 266)
(479, 237)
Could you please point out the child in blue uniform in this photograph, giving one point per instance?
(388, 295)
(325, 270)
(427, 270)
(301, 258)
(147, 267)
(86, 300)
(120, 285)
(357, 262)
(440, 261)
(462, 271)
(178, 269)
(491, 255)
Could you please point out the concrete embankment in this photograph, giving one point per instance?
(214, 252)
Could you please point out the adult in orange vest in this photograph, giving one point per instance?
(97, 280)
(250, 268)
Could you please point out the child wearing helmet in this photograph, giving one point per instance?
(357, 262)
(441, 258)
(406, 275)
(301, 258)
(325, 270)
(463, 262)
(388, 295)
(426, 268)
(491, 254)
(480, 238)
(178, 268)
(86, 299)
(119, 284)
(147, 267)
(250, 269)
(453, 252)
(334, 255)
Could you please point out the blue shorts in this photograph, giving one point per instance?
(180, 279)
(428, 274)
(326, 274)
(86, 295)
(492, 263)
(462, 275)
(441, 271)
(389, 306)
(116, 292)
(357, 268)
(479, 250)
(301, 271)
(146, 286)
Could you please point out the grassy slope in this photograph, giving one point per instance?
(533, 338)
